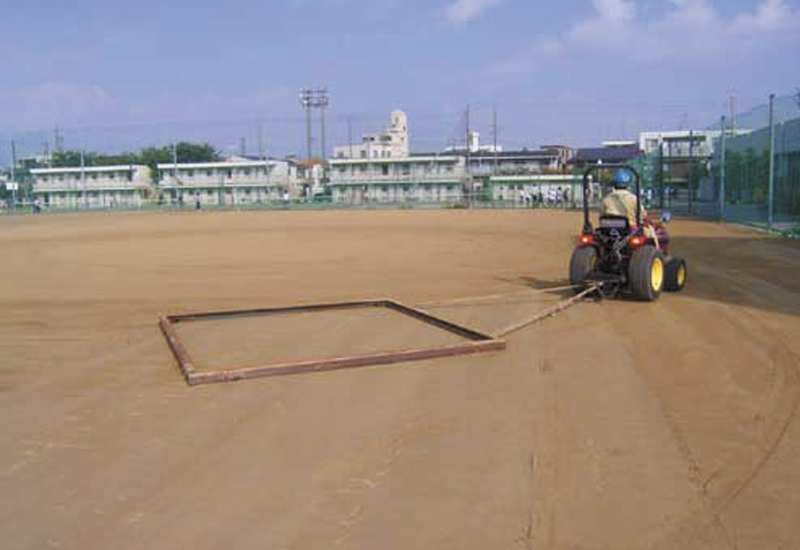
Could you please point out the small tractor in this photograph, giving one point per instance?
(621, 259)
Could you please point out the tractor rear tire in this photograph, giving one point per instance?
(675, 273)
(646, 273)
(581, 264)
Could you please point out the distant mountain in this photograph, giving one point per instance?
(786, 108)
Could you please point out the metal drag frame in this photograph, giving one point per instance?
(478, 342)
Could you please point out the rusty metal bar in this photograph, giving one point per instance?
(564, 304)
(184, 361)
(231, 375)
(478, 343)
(436, 321)
(232, 314)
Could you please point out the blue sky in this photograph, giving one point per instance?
(574, 71)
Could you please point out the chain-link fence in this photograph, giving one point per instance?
(758, 177)
(731, 180)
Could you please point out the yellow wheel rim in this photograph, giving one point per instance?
(681, 275)
(657, 274)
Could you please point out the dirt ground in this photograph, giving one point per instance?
(614, 425)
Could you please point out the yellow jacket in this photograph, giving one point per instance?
(621, 202)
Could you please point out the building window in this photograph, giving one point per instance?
(385, 169)
(363, 153)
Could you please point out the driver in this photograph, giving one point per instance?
(622, 202)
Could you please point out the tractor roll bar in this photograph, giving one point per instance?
(587, 226)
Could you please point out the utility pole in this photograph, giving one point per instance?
(322, 102)
(58, 139)
(771, 194)
(722, 169)
(314, 98)
(306, 100)
(494, 138)
(469, 173)
(14, 189)
(260, 141)
(175, 167)
(83, 179)
(350, 135)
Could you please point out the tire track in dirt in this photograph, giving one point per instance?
(733, 479)
(791, 365)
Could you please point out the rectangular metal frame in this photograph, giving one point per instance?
(477, 342)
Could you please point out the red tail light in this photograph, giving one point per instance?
(586, 238)
(636, 240)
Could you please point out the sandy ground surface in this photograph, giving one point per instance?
(612, 425)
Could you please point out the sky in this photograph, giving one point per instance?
(119, 75)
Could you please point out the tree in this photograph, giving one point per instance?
(149, 156)
(733, 176)
(185, 152)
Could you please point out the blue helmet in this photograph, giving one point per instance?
(621, 178)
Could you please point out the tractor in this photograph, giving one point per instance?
(622, 259)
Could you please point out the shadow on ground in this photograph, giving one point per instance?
(753, 271)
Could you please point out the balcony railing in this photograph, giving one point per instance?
(347, 179)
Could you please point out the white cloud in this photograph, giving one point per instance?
(772, 15)
(615, 10)
(464, 11)
(691, 30)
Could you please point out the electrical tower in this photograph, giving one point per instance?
(58, 139)
(314, 98)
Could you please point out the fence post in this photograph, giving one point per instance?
(662, 190)
(770, 194)
(722, 170)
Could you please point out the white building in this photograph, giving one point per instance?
(92, 186)
(235, 182)
(682, 143)
(412, 179)
(515, 162)
(474, 145)
(565, 188)
(393, 142)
